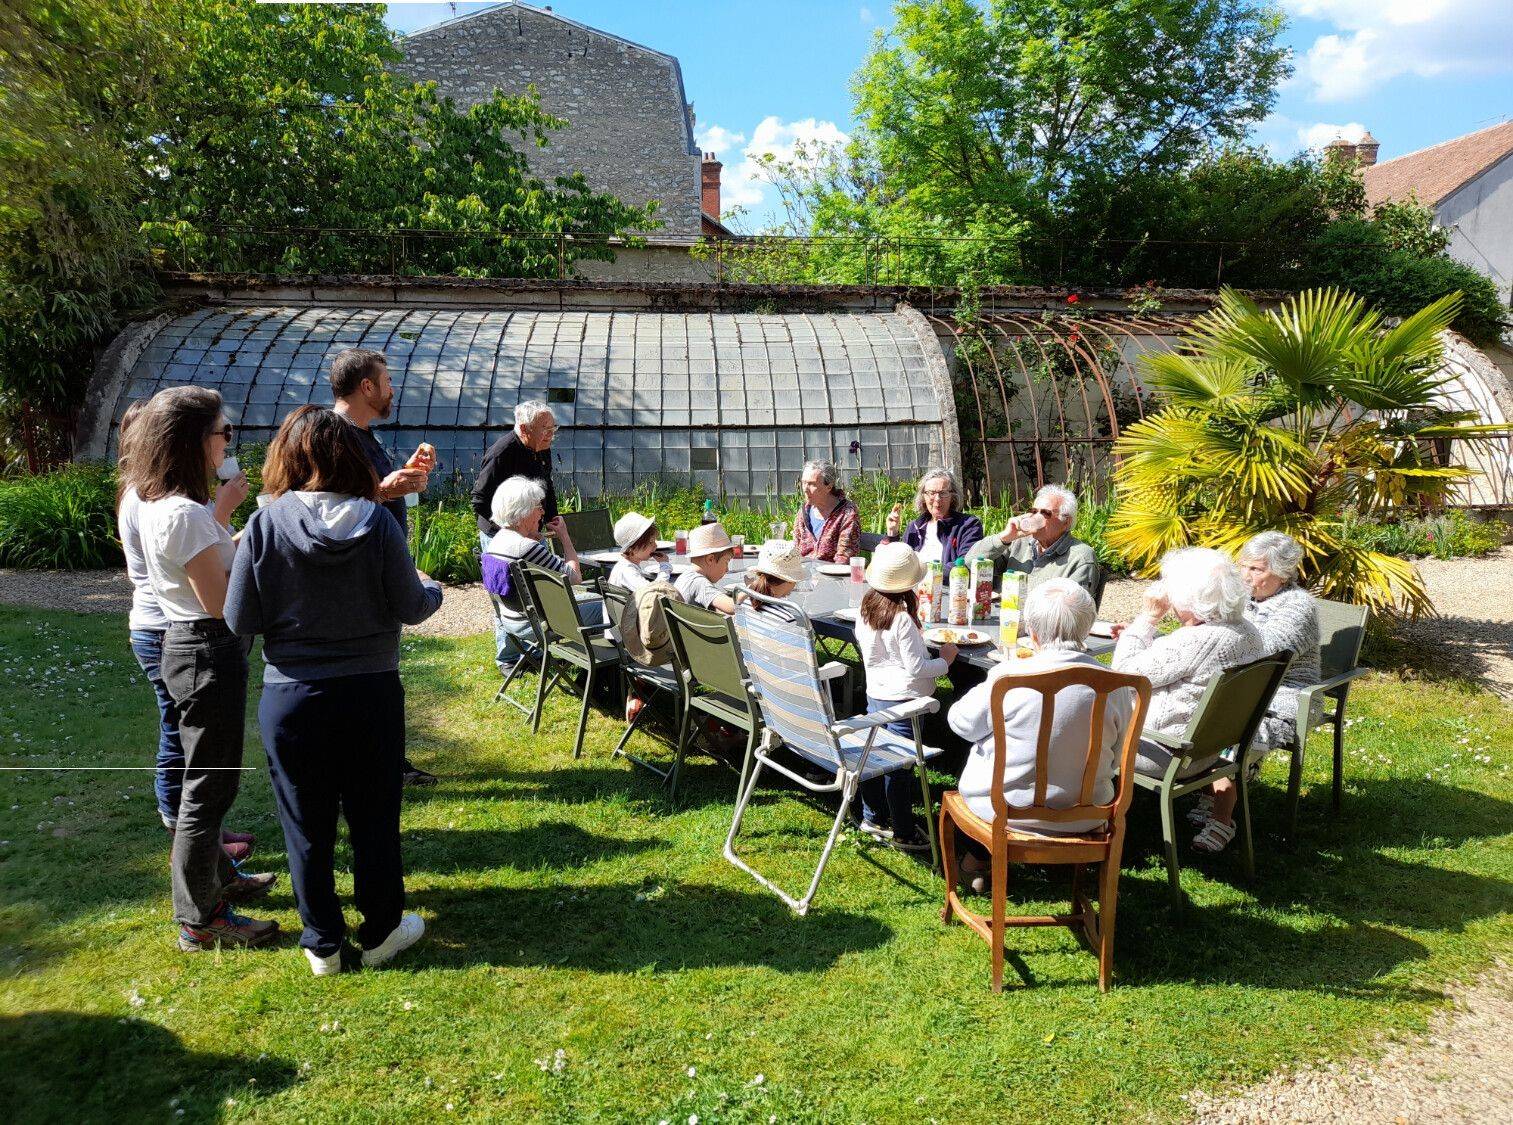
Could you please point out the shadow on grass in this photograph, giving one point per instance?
(554, 844)
(66, 1066)
(1453, 650)
(627, 928)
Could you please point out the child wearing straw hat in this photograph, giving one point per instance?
(636, 536)
(709, 553)
(899, 667)
(779, 568)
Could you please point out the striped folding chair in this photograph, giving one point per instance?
(790, 687)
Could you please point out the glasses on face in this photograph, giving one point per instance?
(1047, 513)
(225, 431)
(939, 494)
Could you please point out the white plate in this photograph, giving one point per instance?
(838, 570)
(1101, 629)
(665, 544)
(960, 637)
(1020, 653)
(845, 615)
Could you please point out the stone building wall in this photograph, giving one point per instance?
(630, 131)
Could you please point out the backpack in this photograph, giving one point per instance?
(643, 625)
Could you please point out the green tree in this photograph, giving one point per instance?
(289, 116)
(76, 82)
(1296, 419)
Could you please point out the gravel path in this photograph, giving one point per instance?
(1462, 1071)
(1472, 636)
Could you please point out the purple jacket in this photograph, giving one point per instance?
(959, 532)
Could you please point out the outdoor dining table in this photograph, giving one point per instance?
(828, 595)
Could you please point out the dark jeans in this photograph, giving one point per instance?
(205, 670)
(335, 747)
(888, 801)
(147, 647)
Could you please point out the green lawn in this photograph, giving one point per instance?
(591, 956)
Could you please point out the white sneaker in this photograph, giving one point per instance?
(406, 934)
(323, 966)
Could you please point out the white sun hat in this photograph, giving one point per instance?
(630, 527)
(780, 559)
(894, 568)
(708, 539)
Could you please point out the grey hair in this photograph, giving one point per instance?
(514, 499)
(1281, 553)
(826, 469)
(1064, 500)
(934, 474)
(527, 412)
(1205, 583)
(1058, 613)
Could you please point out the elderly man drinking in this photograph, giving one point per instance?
(523, 452)
(1040, 542)
(1057, 614)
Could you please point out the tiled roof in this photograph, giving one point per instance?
(1434, 173)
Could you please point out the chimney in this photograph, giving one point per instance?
(1339, 151)
(709, 186)
(1365, 150)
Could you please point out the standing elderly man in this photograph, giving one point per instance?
(526, 451)
(1040, 543)
(364, 393)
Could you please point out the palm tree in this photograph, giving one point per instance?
(1294, 419)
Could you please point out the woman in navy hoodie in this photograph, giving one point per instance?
(942, 533)
(323, 572)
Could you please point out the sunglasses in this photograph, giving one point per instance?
(1047, 513)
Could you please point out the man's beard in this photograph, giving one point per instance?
(388, 404)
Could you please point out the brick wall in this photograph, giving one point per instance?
(629, 131)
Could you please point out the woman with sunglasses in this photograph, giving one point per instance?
(178, 445)
(1040, 543)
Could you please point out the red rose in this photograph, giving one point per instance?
(1071, 298)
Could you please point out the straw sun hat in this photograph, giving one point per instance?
(708, 539)
(630, 527)
(894, 568)
(780, 559)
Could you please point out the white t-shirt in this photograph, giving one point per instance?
(174, 530)
(929, 550)
(628, 576)
(898, 664)
(145, 611)
(696, 589)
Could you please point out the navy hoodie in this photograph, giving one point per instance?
(327, 585)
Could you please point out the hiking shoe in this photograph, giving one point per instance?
(227, 928)
(417, 777)
(406, 934)
(230, 837)
(912, 841)
(344, 960)
(245, 888)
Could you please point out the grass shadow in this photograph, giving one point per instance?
(554, 844)
(68, 1066)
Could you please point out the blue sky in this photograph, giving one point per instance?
(765, 73)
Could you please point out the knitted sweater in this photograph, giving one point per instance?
(1288, 620)
(1180, 664)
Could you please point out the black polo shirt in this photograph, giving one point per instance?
(508, 457)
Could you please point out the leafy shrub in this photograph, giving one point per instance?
(63, 520)
(444, 541)
(1450, 536)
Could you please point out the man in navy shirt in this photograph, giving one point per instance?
(364, 393)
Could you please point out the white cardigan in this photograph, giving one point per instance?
(972, 718)
(898, 664)
(1180, 664)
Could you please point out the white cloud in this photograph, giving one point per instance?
(741, 184)
(1376, 41)
(865, 15)
(719, 140)
(1315, 137)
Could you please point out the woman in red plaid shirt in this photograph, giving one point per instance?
(829, 527)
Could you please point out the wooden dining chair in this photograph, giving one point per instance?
(1007, 844)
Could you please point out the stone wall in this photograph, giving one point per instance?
(630, 131)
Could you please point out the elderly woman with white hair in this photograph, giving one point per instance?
(1040, 542)
(942, 532)
(1057, 615)
(516, 508)
(1288, 619)
(829, 526)
(1203, 589)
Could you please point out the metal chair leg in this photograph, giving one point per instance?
(588, 690)
(542, 685)
(1247, 843)
(1295, 786)
(1339, 755)
(1169, 839)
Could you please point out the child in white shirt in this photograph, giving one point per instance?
(636, 536)
(899, 667)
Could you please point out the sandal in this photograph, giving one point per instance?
(1214, 838)
(1198, 815)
